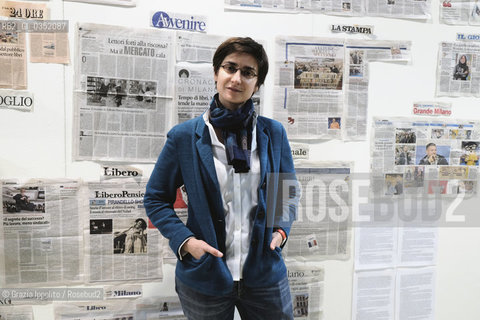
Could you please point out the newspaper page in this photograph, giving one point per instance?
(460, 12)
(308, 92)
(159, 308)
(458, 74)
(16, 313)
(307, 290)
(424, 157)
(125, 3)
(121, 243)
(374, 295)
(415, 294)
(195, 86)
(323, 226)
(42, 240)
(358, 54)
(262, 5)
(13, 60)
(95, 310)
(405, 9)
(123, 93)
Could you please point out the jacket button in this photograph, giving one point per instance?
(254, 242)
(220, 221)
(261, 215)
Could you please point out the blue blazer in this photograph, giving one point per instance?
(187, 159)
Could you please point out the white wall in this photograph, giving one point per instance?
(39, 144)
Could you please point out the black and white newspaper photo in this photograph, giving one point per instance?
(121, 243)
(322, 230)
(123, 93)
(424, 156)
(307, 290)
(457, 73)
(42, 239)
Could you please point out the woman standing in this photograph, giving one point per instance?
(229, 252)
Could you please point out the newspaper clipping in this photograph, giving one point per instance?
(159, 308)
(424, 156)
(13, 60)
(308, 92)
(405, 9)
(323, 226)
(125, 3)
(91, 310)
(460, 12)
(42, 242)
(17, 100)
(307, 291)
(123, 93)
(457, 70)
(358, 54)
(121, 242)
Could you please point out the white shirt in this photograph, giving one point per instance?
(239, 197)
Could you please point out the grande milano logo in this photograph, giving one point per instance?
(161, 19)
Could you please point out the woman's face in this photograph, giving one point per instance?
(234, 89)
(463, 59)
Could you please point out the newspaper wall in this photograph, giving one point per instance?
(424, 156)
(458, 74)
(121, 243)
(195, 86)
(323, 226)
(123, 93)
(358, 54)
(159, 308)
(307, 291)
(42, 242)
(409, 9)
(16, 313)
(321, 85)
(460, 12)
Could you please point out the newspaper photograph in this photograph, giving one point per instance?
(403, 9)
(358, 54)
(16, 313)
(323, 227)
(308, 92)
(424, 156)
(125, 3)
(123, 93)
(121, 243)
(95, 310)
(159, 308)
(460, 12)
(307, 291)
(42, 240)
(458, 74)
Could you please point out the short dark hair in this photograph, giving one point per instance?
(244, 45)
(429, 145)
(144, 224)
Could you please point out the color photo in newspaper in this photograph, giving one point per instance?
(424, 156)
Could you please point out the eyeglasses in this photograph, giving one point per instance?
(232, 68)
